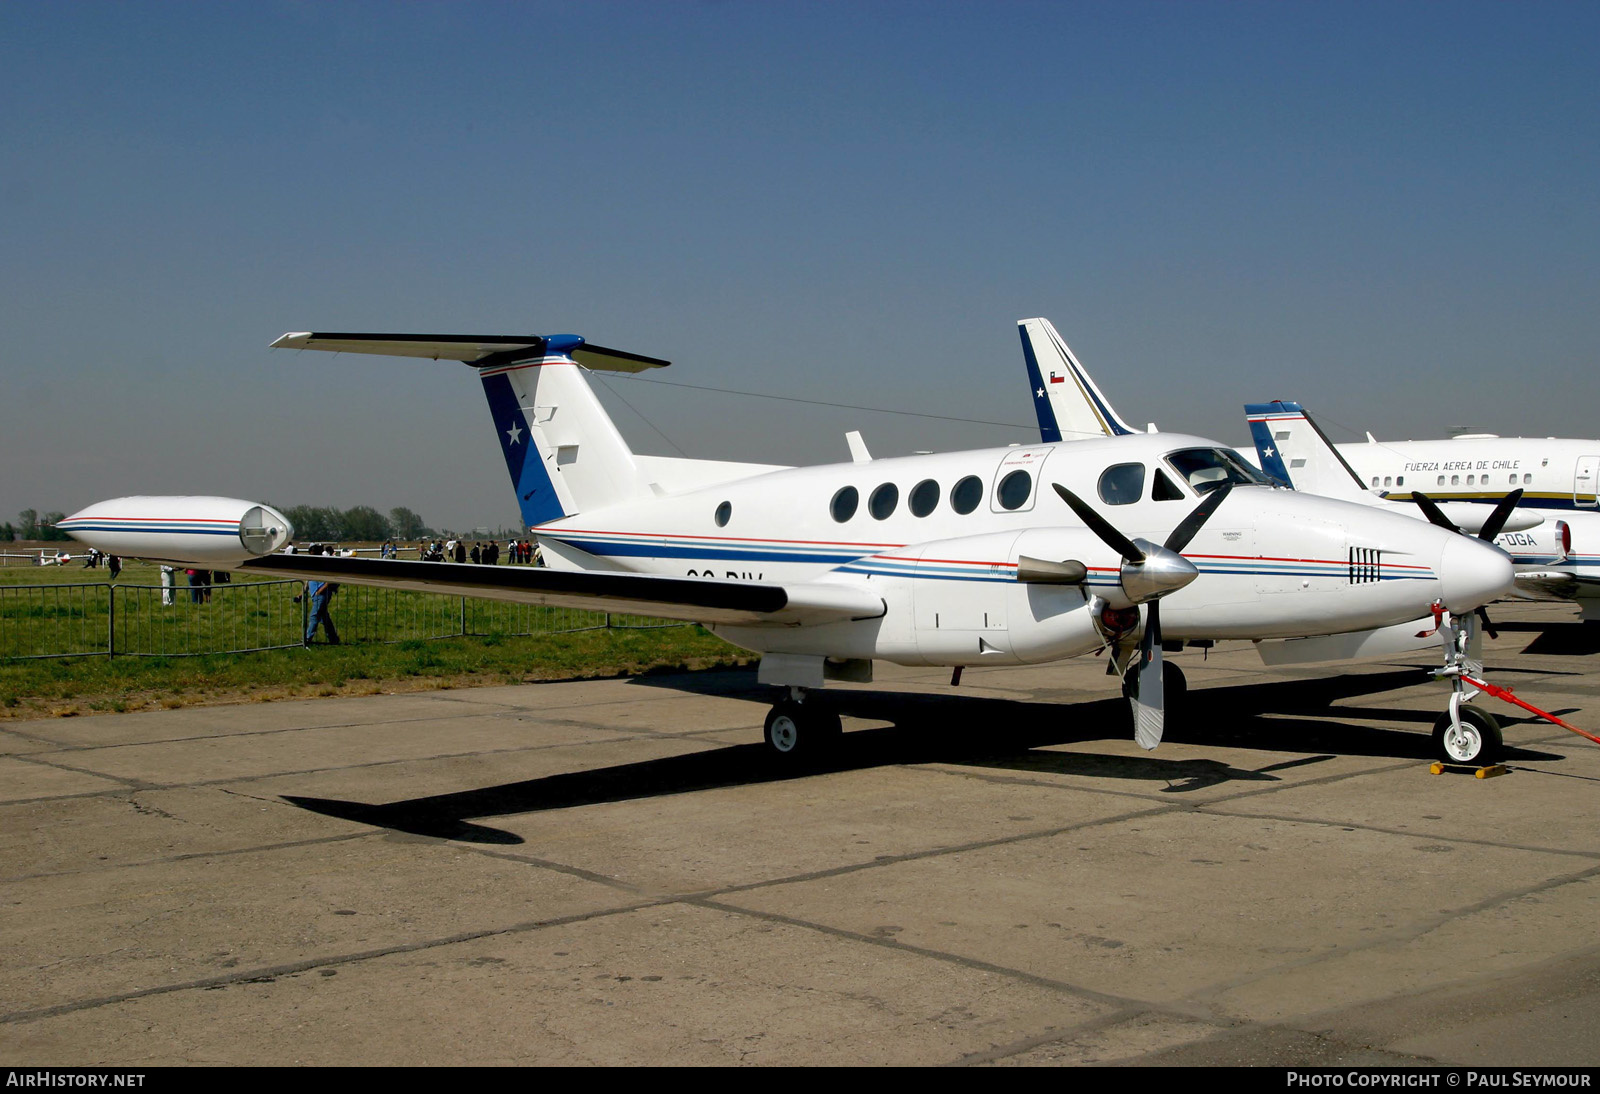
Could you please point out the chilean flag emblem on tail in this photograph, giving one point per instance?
(1056, 377)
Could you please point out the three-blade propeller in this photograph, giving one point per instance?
(1491, 528)
(1148, 573)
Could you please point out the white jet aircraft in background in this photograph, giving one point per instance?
(1554, 478)
(1294, 452)
(963, 558)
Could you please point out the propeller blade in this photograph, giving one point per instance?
(1432, 511)
(1147, 697)
(1497, 520)
(1100, 526)
(1184, 532)
(1488, 627)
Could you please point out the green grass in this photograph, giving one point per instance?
(392, 640)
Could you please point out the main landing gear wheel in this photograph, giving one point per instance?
(798, 731)
(1174, 684)
(1478, 744)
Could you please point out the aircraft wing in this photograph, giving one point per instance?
(696, 600)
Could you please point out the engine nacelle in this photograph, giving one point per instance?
(215, 532)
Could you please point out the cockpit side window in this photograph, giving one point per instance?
(1205, 469)
(1122, 484)
(1165, 489)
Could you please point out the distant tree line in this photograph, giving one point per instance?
(361, 522)
(30, 525)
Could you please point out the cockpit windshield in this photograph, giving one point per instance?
(1205, 469)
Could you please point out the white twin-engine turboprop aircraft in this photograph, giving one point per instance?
(1003, 556)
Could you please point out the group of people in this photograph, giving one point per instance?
(516, 551)
(200, 582)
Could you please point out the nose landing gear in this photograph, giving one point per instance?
(1465, 734)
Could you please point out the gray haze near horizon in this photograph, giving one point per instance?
(1384, 211)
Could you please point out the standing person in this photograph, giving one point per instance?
(168, 580)
(205, 584)
(321, 593)
(461, 551)
(114, 563)
(195, 595)
(476, 555)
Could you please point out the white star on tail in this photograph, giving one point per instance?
(515, 432)
(1039, 394)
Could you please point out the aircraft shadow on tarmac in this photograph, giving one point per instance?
(982, 733)
(1558, 639)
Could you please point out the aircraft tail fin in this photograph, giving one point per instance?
(1069, 405)
(1295, 451)
(562, 451)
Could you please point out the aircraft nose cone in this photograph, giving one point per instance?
(1472, 573)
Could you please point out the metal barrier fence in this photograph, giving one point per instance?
(96, 619)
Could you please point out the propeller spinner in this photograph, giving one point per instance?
(1491, 528)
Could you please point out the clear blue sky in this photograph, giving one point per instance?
(1386, 211)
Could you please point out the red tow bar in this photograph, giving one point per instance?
(1505, 693)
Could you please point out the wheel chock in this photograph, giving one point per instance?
(1439, 767)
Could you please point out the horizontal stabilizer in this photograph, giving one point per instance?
(474, 349)
(691, 599)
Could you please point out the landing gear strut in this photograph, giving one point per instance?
(798, 731)
(1466, 734)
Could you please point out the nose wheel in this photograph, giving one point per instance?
(1473, 740)
(799, 732)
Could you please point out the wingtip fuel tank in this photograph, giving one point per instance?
(220, 532)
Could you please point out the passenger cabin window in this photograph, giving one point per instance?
(1527, 479)
(724, 511)
(1205, 469)
(1165, 489)
(1122, 484)
(1441, 481)
(1455, 480)
(1374, 480)
(883, 501)
(844, 503)
(1015, 489)
(1388, 480)
(924, 498)
(1400, 480)
(966, 494)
